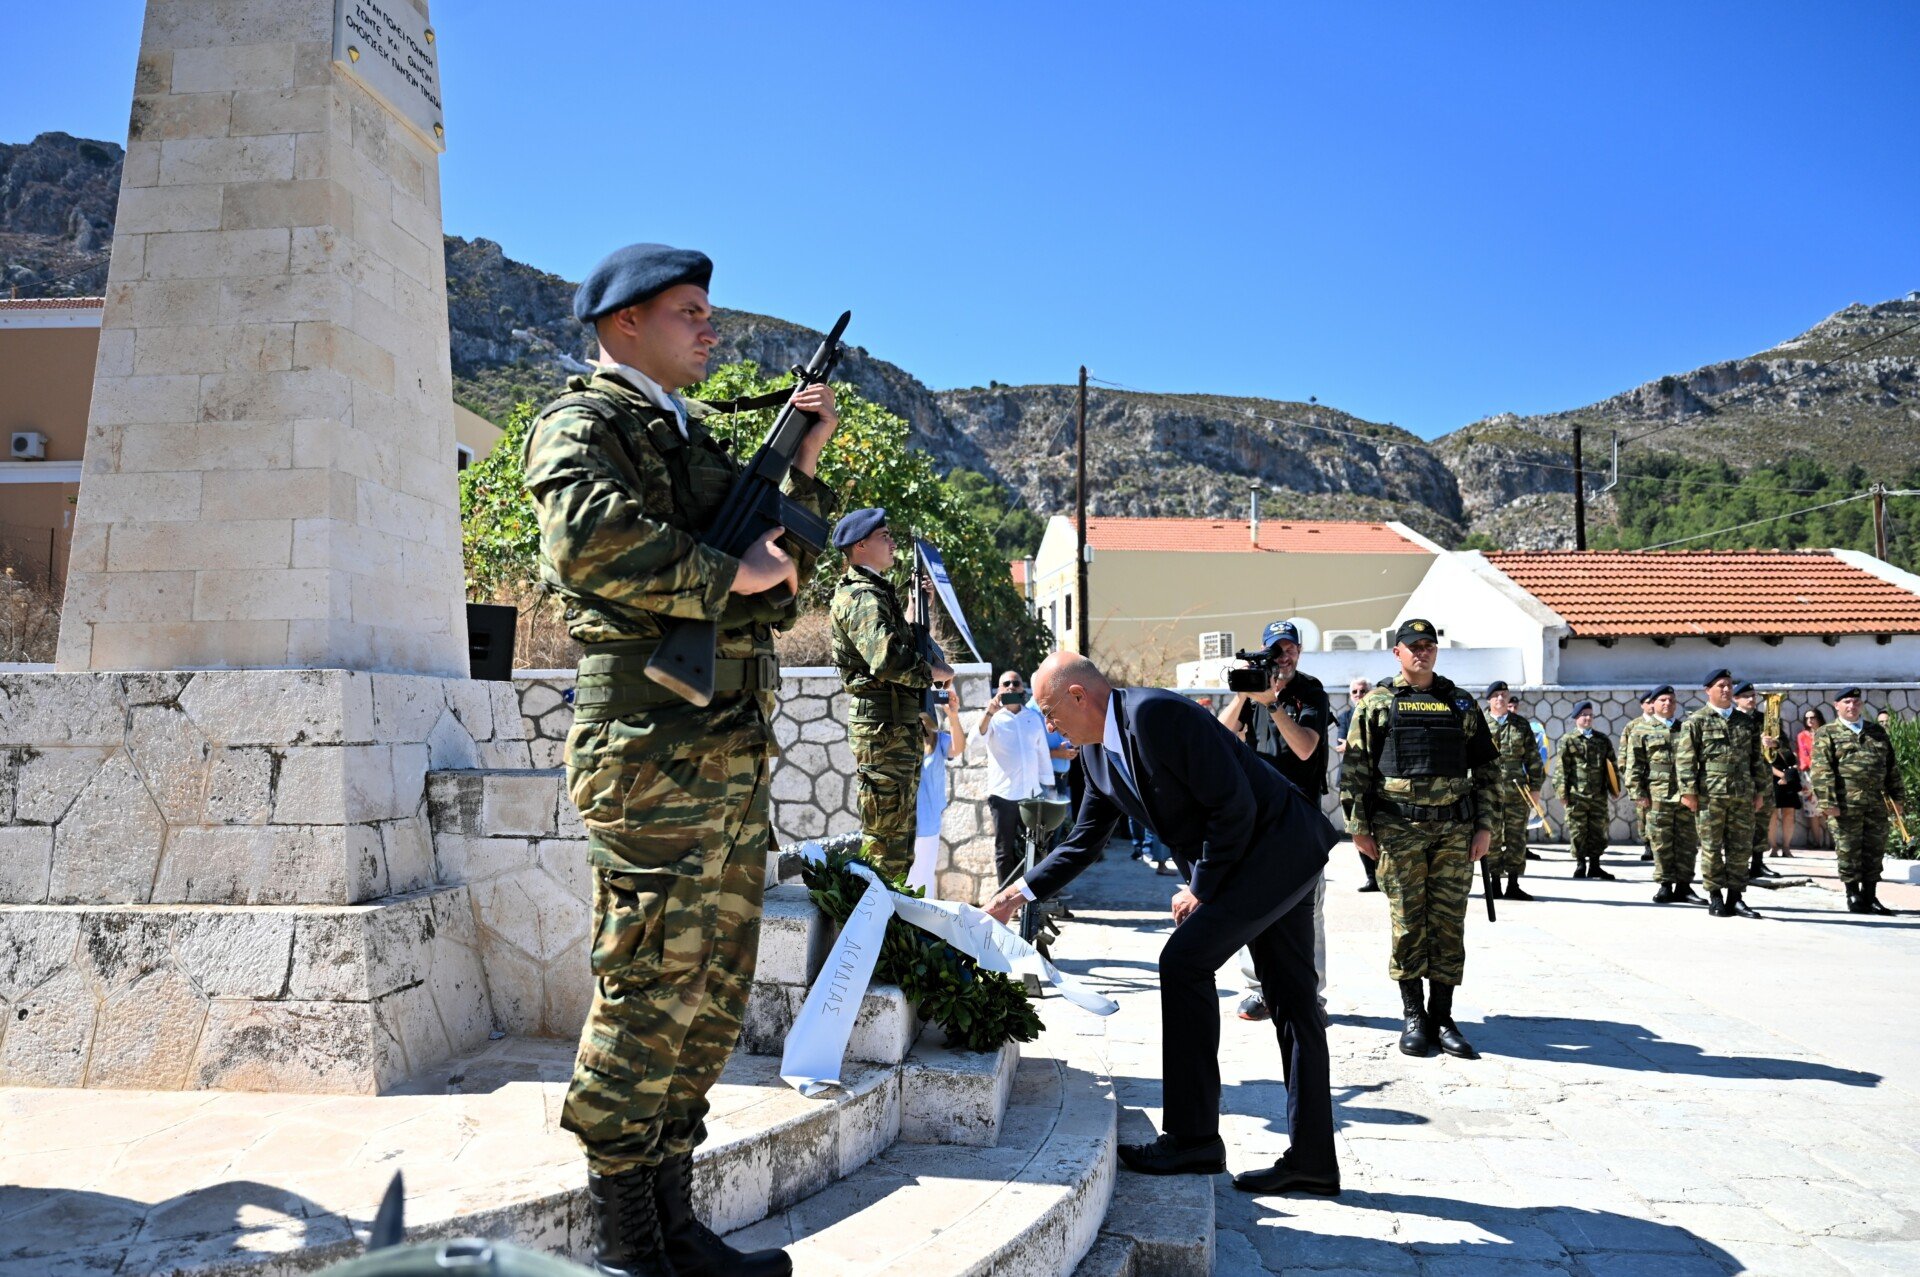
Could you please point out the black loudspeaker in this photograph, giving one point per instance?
(490, 640)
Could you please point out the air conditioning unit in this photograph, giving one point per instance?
(1216, 645)
(28, 445)
(1351, 641)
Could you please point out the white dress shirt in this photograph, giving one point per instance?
(1018, 763)
(647, 386)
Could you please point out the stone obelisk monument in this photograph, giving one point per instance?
(215, 862)
(269, 474)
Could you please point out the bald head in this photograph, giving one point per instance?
(1072, 693)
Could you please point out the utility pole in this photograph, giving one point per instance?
(1579, 494)
(1879, 520)
(1080, 517)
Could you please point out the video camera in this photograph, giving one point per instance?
(1255, 676)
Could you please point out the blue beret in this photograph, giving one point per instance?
(628, 276)
(1665, 689)
(1715, 677)
(1846, 692)
(1498, 685)
(1743, 689)
(1280, 630)
(857, 525)
(1584, 707)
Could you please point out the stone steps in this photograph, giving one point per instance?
(1030, 1204)
(1157, 1226)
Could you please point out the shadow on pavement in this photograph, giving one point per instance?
(195, 1229)
(1526, 1238)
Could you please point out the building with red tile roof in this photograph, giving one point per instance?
(1603, 617)
(1155, 586)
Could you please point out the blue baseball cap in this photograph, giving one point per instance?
(1279, 630)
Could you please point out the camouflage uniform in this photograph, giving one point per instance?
(1651, 747)
(1584, 791)
(674, 797)
(1856, 773)
(1718, 759)
(1521, 769)
(886, 674)
(1426, 865)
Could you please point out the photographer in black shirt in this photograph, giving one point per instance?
(1286, 724)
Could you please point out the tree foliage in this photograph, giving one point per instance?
(1016, 530)
(869, 463)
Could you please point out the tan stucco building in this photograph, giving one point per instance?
(1155, 586)
(47, 351)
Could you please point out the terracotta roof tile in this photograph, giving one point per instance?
(1604, 593)
(1231, 536)
(51, 303)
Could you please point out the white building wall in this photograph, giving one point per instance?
(1476, 606)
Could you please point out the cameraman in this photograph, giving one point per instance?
(1019, 765)
(1287, 725)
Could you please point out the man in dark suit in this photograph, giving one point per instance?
(1250, 849)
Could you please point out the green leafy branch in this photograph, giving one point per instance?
(979, 1010)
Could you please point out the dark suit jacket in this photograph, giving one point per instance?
(1239, 831)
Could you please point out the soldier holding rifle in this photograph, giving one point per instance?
(1856, 782)
(669, 773)
(1653, 744)
(1522, 773)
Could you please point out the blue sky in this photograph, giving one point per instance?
(1419, 213)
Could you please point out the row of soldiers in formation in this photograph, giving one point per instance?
(1699, 784)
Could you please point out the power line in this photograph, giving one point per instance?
(1791, 514)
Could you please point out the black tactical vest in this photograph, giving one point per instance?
(1426, 735)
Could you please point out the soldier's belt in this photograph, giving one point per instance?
(883, 707)
(1421, 814)
(613, 681)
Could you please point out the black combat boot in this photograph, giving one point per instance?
(1716, 904)
(1666, 895)
(696, 1250)
(1759, 869)
(626, 1225)
(1736, 907)
(1855, 890)
(1870, 895)
(1647, 854)
(1579, 866)
(1440, 1011)
(1684, 893)
(1417, 1037)
(1533, 855)
(1595, 871)
(1513, 891)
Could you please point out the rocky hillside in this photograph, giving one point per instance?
(1810, 395)
(1506, 479)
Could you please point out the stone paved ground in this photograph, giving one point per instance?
(1661, 1092)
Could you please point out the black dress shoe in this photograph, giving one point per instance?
(1165, 1156)
(1759, 869)
(1513, 891)
(1870, 894)
(1684, 893)
(1281, 1178)
(1445, 1031)
(1737, 908)
(1595, 871)
(1369, 886)
(1533, 855)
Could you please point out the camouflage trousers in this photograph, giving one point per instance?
(1860, 842)
(675, 933)
(1762, 828)
(1509, 852)
(1587, 827)
(888, 757)
(1725, 825)
(1670, 832)
(1426, 871)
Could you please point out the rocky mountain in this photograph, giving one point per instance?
(1506, 479)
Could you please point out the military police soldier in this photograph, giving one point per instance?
(886, 673)
(1522, 773)
(1652, 745)
(1587, 772)
(1421, 786)
(1720, 774)
(624, 477)
(1746, 699)
(1854, 777)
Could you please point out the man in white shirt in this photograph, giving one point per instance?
(1019, 766)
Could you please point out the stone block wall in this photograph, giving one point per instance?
(812, 783)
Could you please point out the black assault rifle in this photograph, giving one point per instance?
(683, 663)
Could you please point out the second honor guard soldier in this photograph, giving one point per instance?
(1854, 778)
(1721, 777)
(1585, 786)
(886, 674)
(1522, 772)
(1653, 743)
(1626, 755)
(674, 796)
(1421, 789)
(1746, 699)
